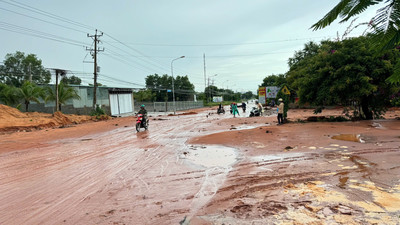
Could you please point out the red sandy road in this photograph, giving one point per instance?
(101, 173)
(116, 176)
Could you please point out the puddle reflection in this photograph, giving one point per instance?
(143, 135)
(212, 156)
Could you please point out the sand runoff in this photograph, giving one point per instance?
(106, 173)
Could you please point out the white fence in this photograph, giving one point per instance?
(169, 106)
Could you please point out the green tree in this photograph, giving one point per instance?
(71, 80)
(160, 84)
(248, 95)
(274, 80)
(183, 88)
(30, 92)
(212, 91)
(385, 24)
(144, 95)
(65, 93)
(345, 73)
(8, 94)
(18, 67)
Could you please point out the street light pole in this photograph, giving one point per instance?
(173, 86)
(209, 91)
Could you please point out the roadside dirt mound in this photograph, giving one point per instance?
(7, 112)
(61, 118)
(12, 120)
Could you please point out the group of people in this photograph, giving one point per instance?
(235, 111)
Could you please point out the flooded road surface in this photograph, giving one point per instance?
(195, 169)
(118, 176)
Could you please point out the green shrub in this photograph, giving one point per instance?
(97, 112)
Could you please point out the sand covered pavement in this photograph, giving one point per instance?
(202, 168)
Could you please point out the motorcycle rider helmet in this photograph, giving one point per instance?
(142, 106)
(281, 100)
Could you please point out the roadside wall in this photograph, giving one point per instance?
(81, 106)
(169, 106)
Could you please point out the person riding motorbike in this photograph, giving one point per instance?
(143, 111)
(244, 107)
(220, 109)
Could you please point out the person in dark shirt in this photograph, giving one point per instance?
(143, 111)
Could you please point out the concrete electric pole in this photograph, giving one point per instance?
(94, 55)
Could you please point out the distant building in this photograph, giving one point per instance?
(114, 101)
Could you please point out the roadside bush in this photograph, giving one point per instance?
(395, 100)
(98, 112)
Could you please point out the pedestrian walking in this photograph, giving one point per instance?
(235, 110)
(280, 109)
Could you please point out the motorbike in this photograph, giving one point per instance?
(141, 122)
(254, 112)
(220, 110)
(244, 108)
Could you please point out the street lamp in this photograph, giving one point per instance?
(209, 90)
(173, 86)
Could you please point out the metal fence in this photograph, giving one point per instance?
(169, 106)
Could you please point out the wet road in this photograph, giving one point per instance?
(115, 177)
(242, 176)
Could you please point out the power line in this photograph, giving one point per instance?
(140, 53)
(47, 14)
(229, 44)
(49, 22)
(39, 34)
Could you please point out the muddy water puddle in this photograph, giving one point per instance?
(349, 137)
(211, 156)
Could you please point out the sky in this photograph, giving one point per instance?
(243, 41)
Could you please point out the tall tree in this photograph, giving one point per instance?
(183, 88)
(345, 72)
(385, 24)
(30, 92)
(71, 80)
(144, 95)
(160, 84)
(274, 80)
(65, 93)
(19, 67)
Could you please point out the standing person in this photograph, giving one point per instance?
(244, 107)
(235, 110)
(280, 109)
(260, 108)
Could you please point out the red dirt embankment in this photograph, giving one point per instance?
(12, 120)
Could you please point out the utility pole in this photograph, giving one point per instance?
(94, 55)
(30, 72)
(209, 91)
(204, 59)
(62, 73)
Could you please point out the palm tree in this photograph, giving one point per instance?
(8, 94)
(65, 93)
(385, 24)
(30, 92)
